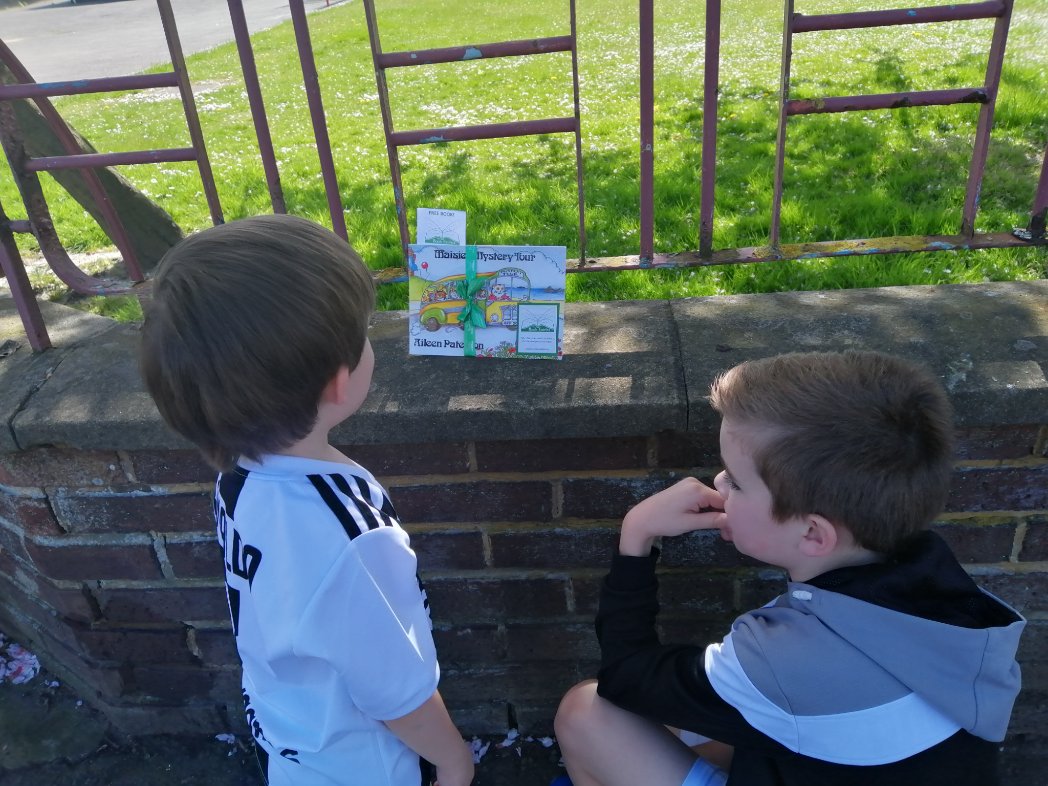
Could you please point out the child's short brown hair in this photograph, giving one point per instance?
(862, 438)
(248, 323)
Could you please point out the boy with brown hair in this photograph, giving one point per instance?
(882, 663)
(254, 347)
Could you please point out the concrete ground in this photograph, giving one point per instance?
(58, 40)
(50, 737)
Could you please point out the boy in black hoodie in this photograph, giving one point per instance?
(882, 662)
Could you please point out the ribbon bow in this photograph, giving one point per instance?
(472, 315)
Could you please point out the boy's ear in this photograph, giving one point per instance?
(820, 538)
(337, 388)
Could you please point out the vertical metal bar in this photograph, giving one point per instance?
(258, 108)
(578, 133)
(647, 131)
(985, 125)
(196, 135)
(387, 126)
(780, 143)
(316, 113)
(21, 290)
(711, 82)
(1039, 211)
(113, 227)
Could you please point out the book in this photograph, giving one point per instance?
(433, 225)
(486, 301)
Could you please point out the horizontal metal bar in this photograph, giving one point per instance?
(20, 226)
(786, 251)
(111, 84)
(818, 106)
(900, 16)
(92, 160)
(905, 244)
(491, 131)
(454, 54)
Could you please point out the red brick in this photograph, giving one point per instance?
(996, 442)
(217, 647)
(447, 458)
(676, 449)
(610, 498)
(163, 605)
(758, 587)
(565, 454)
(8, 564)
(105, 681)
(563, 548)
(586, 590)
(195, 560)
(12, 543)
(75, 605)
(480, 500)
(29, 513)
(1030, 719)
(705, 547)
(459, 644)
(1035, 543)
(87, 563)
(56, 466)
(174, 683)
(478, 717)
(709, 595)
(135, 646)
(41, 619)
(536, 719)
(1006, 488)
(1026, 592)
(171, 466)
(972, 543)
(535, 598)
(546, 642)
(515, 683)
(448, 550)
(134, 512)
(1033, 655)
(495, 600)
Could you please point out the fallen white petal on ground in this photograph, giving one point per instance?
(17, 664)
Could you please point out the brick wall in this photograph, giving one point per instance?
(108, 563)
(512, 479)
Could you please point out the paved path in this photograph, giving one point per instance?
(58, 40)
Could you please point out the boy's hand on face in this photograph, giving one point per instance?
(686, 506)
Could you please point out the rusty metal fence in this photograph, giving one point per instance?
(38, 223)
(25, 169)
(795, 24)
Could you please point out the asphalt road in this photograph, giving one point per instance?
(59, 39)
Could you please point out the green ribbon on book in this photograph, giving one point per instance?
(472, 315)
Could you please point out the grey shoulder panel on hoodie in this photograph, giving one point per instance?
(968, 674)
(843, 680)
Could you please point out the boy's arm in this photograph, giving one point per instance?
(430, 732)
(638, 672)
(685, 506)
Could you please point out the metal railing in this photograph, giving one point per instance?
(460, 54)
(795, 23)
(39, 223)
(26, 168)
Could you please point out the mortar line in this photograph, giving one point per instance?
(29, 394)
(1017, 540)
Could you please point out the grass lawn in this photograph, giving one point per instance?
(847, 176)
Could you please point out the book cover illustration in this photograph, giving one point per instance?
(486, 301)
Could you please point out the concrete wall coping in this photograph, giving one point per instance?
(630, 367)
